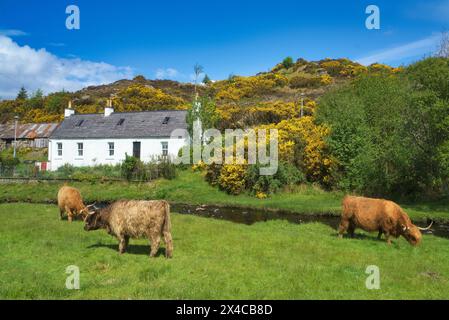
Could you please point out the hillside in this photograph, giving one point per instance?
(282, 84)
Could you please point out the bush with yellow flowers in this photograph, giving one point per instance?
(232, 178)
(326, 79)
(333, 67)
(238, 88)
(140, 97)
(261, 195)
(379, 67)
(302, 142)
(200, 166)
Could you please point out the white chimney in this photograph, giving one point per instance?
(69, 111)
(109, 109)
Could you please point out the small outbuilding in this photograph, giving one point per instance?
(33, 135)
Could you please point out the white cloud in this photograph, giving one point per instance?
(40, 69)
(421, 47)
(168, 73)
(12, 33)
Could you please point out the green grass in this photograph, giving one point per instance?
(191, 188)
(212, 260)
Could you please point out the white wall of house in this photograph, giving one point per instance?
(96, 151)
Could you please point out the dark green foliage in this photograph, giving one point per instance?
(431, 74)
(213, 173)
(287, 63)
(287, 175)
(206, 79)
(134, 169)
(23, 94)
(389, 133)
(129, 167)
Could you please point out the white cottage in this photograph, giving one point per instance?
(92, 139)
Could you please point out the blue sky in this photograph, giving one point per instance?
(164, 39)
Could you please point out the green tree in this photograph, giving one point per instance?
(140, 79)
(390, 133)
(205, 110)
(288, 63)
(39, 94)
(23, 94)
(55, 103)
(36, 100)
(206, 79)
(368, 135)
(431, 74)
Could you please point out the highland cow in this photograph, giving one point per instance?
(380, 215)
(71, 202)
(135, 219)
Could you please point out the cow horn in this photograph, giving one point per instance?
(91, 205)
(428, 228)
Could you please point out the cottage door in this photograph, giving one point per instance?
(136, 150)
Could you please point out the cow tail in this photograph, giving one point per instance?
(166, 231)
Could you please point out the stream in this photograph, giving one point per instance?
(250, 216)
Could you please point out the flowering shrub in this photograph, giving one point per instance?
(232, 178)
(200, 166)
(326, 79)
(305, 81)
(246, 87)
(302, 142)
(141, 98)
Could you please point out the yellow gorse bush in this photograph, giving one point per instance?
(301, 141)
(232, 178)
(142, 98)
(246, 87)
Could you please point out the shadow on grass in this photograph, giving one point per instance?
(136, 249)
(361, 236)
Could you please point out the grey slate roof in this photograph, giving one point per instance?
(147, 124)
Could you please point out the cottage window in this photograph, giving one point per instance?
(164, 149)
(59, 145)
(80, 149)
(111, 149)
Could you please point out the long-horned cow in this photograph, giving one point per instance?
(71, 202)
(135, 219)
(380, 215)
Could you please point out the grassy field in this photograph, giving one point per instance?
(212, 260)
(191, 188)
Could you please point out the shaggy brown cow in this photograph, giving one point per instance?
(135, 219)
(378, 215)
(71, 202)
